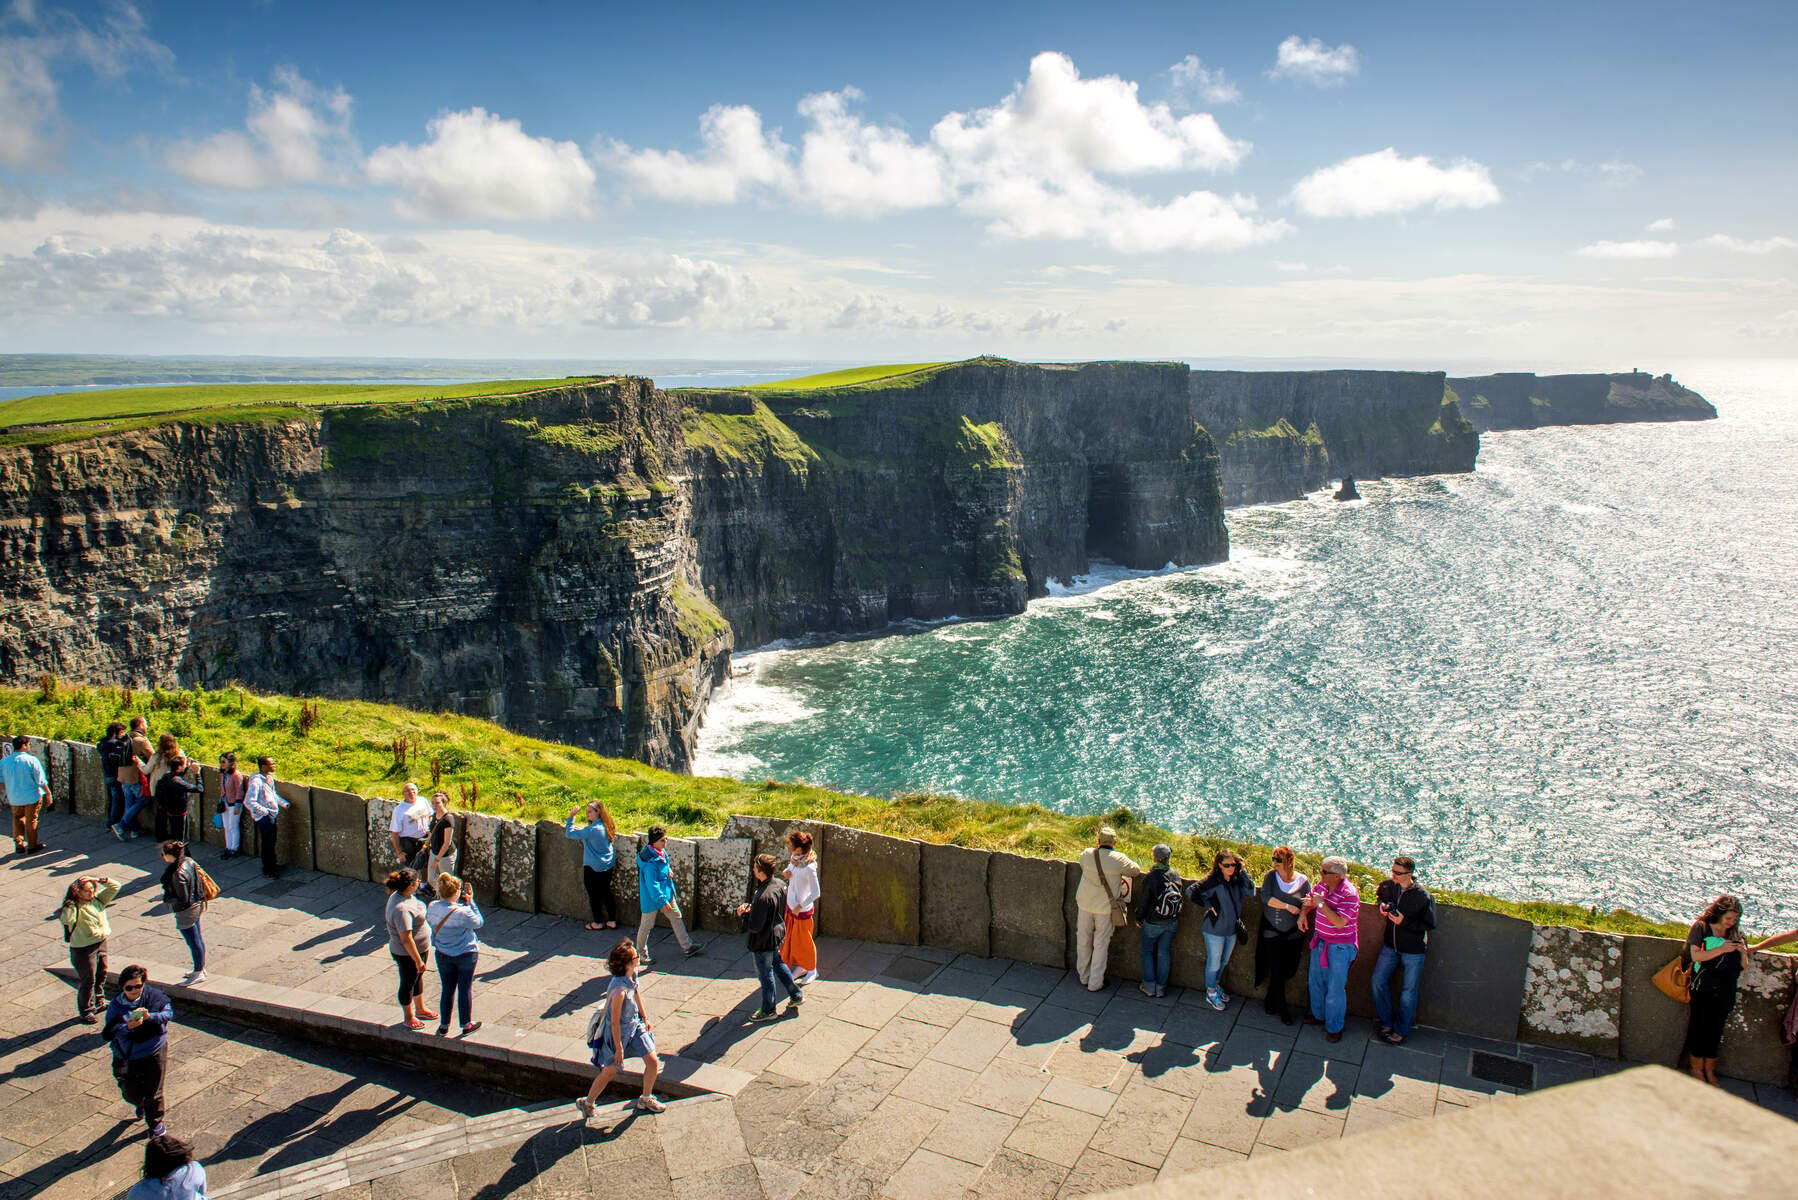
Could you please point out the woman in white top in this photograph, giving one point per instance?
(799, 949)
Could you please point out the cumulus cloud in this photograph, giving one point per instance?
(1383, 182)
(482, 167)
(1664, 225)
(1192, 83)
(737, 155)
(1627, 250)
(848, 165)
(1736, 245)
(1311, 61)
(295, 133)
(35, 43)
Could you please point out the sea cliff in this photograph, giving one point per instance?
(1520, 400)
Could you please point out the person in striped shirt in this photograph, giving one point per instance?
(1330, 914)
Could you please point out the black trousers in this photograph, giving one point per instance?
(171, 825)
(90, 977)
(1704, 1032)
(1282, 964)
(140, 1082)
(599, 894)
(412, 977)
(265, 834)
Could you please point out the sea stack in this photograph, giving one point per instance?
(1347, 490)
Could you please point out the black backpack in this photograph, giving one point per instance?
(115, 755)
(1165, 906)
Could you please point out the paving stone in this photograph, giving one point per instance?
(1013, 1175)
(1189, 1157)
(1070, 1094)
(1291, 1128)
(971, 1133)
(1318, 1084)
(847, 1097)
(972, 1043)
(1007, 1087)
(824, 1052)
(939, 1085)
(1053, 1133)
(905, 1042)
(1099, 1174)
(927, 1175)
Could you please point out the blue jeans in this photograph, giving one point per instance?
(137, 796)
(1157, 952)
(1389, 960)
(768, 968)
(195, 945)
(1218, 947)
(115, 801)
(1329, 987)
(457, 973)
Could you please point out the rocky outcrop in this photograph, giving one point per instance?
(1281, 434)
(1520, 400)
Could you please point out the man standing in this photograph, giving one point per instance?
(264, 803)
(137, 1023)
(1410, 914)
(1330, 913)
(411, 822)
(26, 790)
(1104, 889)
(135, 776)
(115, 756)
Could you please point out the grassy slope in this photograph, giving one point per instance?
(350, 747)
(845, 378)
(148, 401)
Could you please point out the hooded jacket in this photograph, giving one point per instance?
(150, 1036)
(655, 882)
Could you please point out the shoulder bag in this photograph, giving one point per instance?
(1120, 909)
(1675, 979)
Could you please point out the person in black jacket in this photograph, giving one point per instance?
(764, 924)
(137, 1022)
(115, 754)
(1407, 915)
(172, 793)
(1157, 906)
(181, 891)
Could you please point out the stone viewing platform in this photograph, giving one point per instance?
(911, 1070)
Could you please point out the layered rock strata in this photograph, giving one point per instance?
(1521, 400)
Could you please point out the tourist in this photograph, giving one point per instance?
(115, 755)
(799, 946)
(409, 941)
(1409, 914)
(1220, 897)
(181, 890)
(170, 1172)
(455, 921)
(27, 794)
(440, 841)
(264, 804)
(168, 747)
(233, 784)
(762, 921)
(620, 1029)
(137, 1026)
(85, 928)
(410, 826)
(1283, 892)
(136, 776)
(597, 860)
(1103, 899)
(1329, 914)
(1159, 897)
(1718, 952)
(176, 784)
(655, 894)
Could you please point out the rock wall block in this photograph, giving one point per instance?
(1573, 991)
(870, 884)
(955, 910)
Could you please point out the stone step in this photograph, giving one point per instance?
(526, 1062)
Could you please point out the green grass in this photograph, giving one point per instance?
(47, 435)
(350, 748)
(845, 378)
(754, 437)
(183, 401)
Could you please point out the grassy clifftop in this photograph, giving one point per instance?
(351, 745)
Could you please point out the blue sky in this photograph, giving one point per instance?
(1530, 182)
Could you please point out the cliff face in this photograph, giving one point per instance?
(526, 561)
(1520, 400)
(961, 492)
(1283, 433)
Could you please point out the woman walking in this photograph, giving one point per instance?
(409, 941)
(85, 929)
(170, 1172)
(1277, 950)
(455, 921)
(1718, 953)
(655, 894)
(440, 843)
(1220, 896)
(620, 1029)
(597, 860)
(185, 898)
(799, 948)
(232, 786)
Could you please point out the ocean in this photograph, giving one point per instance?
(1568, 675)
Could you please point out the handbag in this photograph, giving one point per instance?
(1120, 912)
(218, 820)
(209, 888)
(1675, 980)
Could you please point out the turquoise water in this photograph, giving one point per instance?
(1568, 675)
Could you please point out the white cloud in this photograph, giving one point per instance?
(34, 43)
(1310, 61)
(850, 166)
(1664, 225)
(738, 155)
(1627, 250)
(482, 167)
(1291, 268)
(1382, 182)
(1191, 82)
(1735, 245)
(296, 133)
(1616, 173)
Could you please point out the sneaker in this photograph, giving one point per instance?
(1217, 1000)
(796, 1001)
(805, 977)
(158, 1129)
(762, 1014)
(131, 835)
(650, 1104)
(643, 960)
(693, 949)
(89, 1019)
(1146, 989)
(586, 1107)
(193, 978)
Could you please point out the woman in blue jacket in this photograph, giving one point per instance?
(597, 861)
(1220, 897)
(455, 922)
(170, 1172)
(655, 894)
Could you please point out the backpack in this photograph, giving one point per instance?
(114, 756)
(1165, 906)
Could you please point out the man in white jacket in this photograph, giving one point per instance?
(264, 804)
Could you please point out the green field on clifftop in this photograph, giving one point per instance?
(350, 746)
(845, 378)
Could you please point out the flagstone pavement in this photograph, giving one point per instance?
(908, 1072)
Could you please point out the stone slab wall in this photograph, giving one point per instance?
(293, 827)
(59, 767)
(683, 866)
(1473, 978)
(870, 884)
(339, 833)
(722, 881)
(87, 784)
(1025, 895)
(378, 822)
(955, 910)
(1573, 991)
(624, 878)
(479, 863)
(560, 889)
(518, 866)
